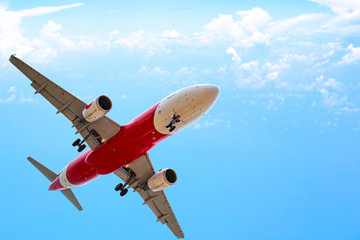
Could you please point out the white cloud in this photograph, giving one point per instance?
(273, 76)
(299, 25)
(151, 42)
(12, 39)
(153, 71)
(45, 10)
(347, 109)
(347, 16)
(332, 99)
(29, 100)
(223, 27)
(207, 71)
(170, 34)
(244, 32)
(9, 99)
(333, 84)
(233, 52)
(12, 89)
(222, 69)
(185, 71)
(352, 56)
(340, 7)
(50, 30)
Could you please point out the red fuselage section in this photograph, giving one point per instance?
(133, 140)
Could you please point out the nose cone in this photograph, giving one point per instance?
(212, 92)
(56, 185)
(207, 94)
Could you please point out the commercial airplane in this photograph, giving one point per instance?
(122, 150)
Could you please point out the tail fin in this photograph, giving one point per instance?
(52, 176)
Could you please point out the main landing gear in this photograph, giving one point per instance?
(174, 119)
(122, 187)
(80, 144)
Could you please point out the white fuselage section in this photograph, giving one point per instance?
(190, 103)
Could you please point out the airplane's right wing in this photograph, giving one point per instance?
(157, 201)
(94, 133)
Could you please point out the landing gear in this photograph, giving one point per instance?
(123, 192)
(82, 147)
(119, 187)
(122, 187)
(76, 143)
(79, 144)
(174, 119)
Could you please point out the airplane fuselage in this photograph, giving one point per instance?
(138, 136)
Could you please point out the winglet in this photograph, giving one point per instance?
(52, 176)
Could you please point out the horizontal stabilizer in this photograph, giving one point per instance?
(52, 176)
(70, 195)
(44, 170)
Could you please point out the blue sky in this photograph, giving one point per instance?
(277, 157)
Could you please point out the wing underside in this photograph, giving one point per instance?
(71, 107)
(157, 201)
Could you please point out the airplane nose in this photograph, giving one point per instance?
(212, 91)
(209, 93)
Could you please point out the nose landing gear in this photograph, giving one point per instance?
(174, 119)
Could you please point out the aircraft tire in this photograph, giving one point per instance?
(77, 141)
(82, 147)
(119, 187)
(123, 192)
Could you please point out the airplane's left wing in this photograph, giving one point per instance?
(157, 201)
(94, 133)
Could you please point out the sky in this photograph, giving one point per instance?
(277, 157)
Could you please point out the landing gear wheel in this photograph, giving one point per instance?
(172, 129)
(82, 147)
(123, 192)
(119, 187)
(76, 143)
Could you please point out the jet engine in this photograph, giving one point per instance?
(162, 180)
(97, 108)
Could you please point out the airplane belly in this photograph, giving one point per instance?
(78, 172)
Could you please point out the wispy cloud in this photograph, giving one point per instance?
(12, 39)
(9, 99)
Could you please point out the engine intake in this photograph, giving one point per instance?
(162, 180)
(97, 108)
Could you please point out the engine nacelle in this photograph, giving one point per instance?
(97, 108)
(162, 180)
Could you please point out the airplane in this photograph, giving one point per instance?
(122, 150)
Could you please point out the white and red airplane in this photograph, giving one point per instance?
(122, 150)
